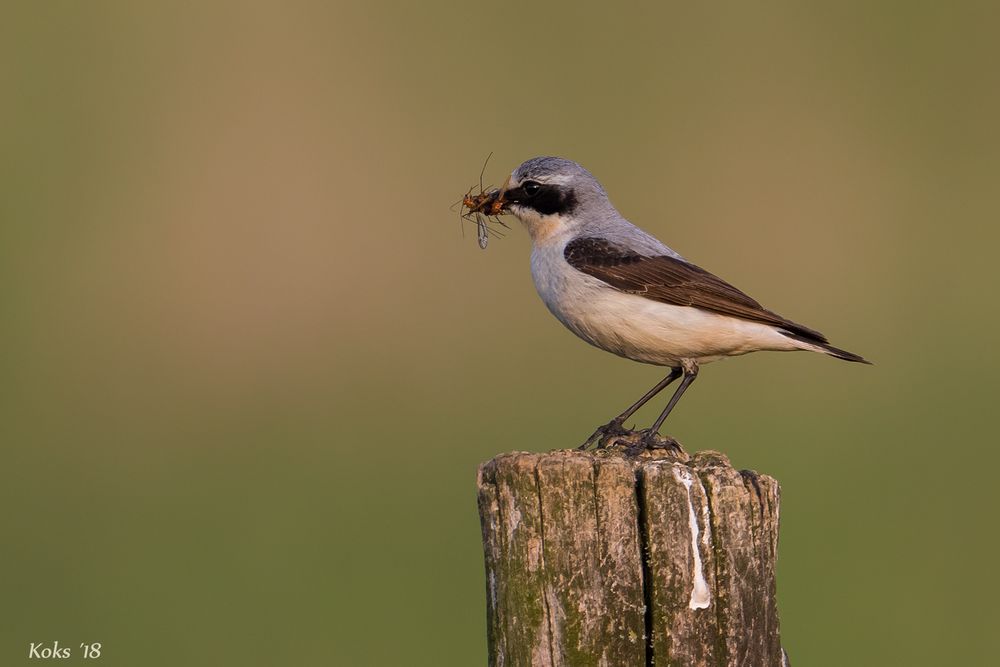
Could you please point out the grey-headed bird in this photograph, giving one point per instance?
(620, 289)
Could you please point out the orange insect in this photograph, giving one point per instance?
(482, 207)
(488, 202)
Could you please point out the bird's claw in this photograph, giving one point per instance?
(650, 439)
(604, 435)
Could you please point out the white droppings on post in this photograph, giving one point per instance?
(701, 597)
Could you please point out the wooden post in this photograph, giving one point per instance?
(595, 558)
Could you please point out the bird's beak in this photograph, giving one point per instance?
(502, 195)
(509, 195)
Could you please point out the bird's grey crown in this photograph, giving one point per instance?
(538, 168)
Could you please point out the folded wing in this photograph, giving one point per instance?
(674, 281)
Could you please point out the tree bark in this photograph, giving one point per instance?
(595, 558)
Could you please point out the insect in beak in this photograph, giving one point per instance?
(484, 207)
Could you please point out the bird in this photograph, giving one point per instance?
(624, 291)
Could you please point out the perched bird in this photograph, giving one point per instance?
(620, 289)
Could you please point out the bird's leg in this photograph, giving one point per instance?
(651, 438)
(614, 427)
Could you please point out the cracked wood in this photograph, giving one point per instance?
(590, 560)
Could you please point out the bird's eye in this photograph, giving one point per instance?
(531, 188)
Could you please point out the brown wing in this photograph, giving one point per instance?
(674, 281)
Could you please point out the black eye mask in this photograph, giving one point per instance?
(544, 198)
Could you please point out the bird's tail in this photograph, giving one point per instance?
(842, 354)
(824, 347)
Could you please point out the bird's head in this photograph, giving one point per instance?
(553, 196)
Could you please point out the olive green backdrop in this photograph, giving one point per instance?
(250, 364)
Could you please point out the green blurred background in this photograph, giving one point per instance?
(250, 363)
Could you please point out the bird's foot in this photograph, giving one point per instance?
(650, 439)
(604, 435)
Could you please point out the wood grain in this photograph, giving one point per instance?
(593, 558)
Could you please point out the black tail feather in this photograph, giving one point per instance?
(829, 349)
(844, 354)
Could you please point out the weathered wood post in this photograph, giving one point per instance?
(595, 558)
